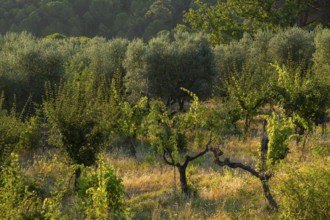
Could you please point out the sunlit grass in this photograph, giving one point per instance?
(153, 188)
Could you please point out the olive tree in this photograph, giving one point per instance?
(26, 64)
(158, 69)
(99, 55)
(293, 45)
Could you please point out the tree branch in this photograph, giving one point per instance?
(166, 160)
(188, 158)
(234, 165)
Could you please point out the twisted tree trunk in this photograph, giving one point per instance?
(263, 175)
(183, 167)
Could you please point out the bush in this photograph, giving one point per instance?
(17, 200)
(73, 114)
(101, 191)
(11, 128)
(305, 193)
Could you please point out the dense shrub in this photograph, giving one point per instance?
(102, 192)
(11, 128)
(73, 112)
(305, 192)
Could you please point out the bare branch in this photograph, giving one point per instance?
(217, 153)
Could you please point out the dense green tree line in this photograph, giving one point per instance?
(173, 59)
(107, 18)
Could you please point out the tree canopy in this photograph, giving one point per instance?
(229, 19)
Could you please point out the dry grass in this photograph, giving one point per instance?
(221, 193)
(152, 191)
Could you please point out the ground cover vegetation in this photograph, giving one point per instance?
(220, 124)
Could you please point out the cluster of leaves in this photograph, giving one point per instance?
(72, 112)
(279, 130)
(101, 192)
(26, 63)
(56, 59)
(227, 20)
(171, 133)
(302, 96)
(305, 191)
(250, 83)
(160, 68)
(16, 134)
(44, 195)
(25, 198)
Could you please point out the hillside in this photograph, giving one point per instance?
(107, 18)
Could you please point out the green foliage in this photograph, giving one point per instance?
(26, 64)
(160, 68)
(73, 114)
(304, 192)
(56, 36)
(231, 57)
(293, 44)
(136, 80)
(57, 181)
(11, 129)
(99, 56)
(227, 20)
(215, 19)
(279, 130)
(36, 191)
(249, 90)
(120, 89)
(301, 95)
(174, 133)
(32, 136)
(102, 192)
(18, 200)
(107, 18)
(132, 117)
(321, 56)
(159, 123)
(12, 189)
